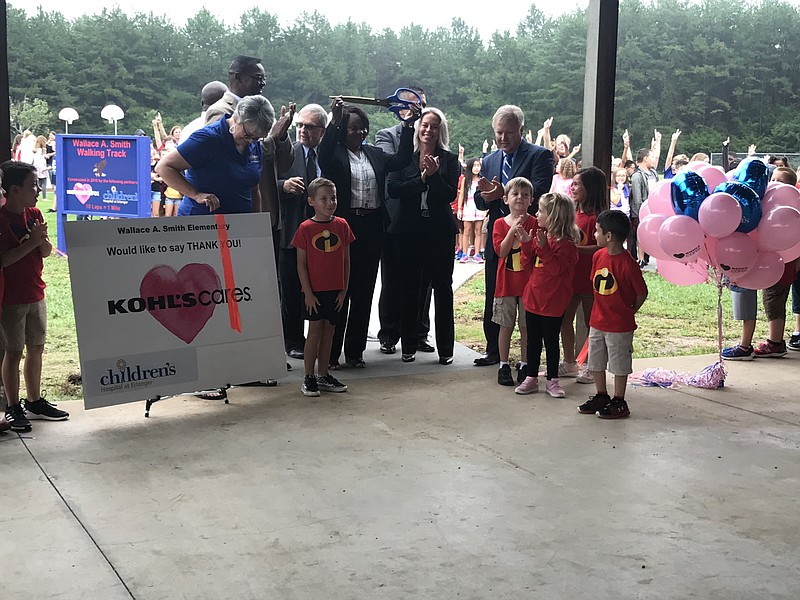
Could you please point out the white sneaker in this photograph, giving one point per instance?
(566, 369)
(585, 375)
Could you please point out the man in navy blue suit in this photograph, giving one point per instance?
(514, 157)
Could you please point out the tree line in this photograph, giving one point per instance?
(713, 69)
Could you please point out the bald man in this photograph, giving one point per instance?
(211, 93)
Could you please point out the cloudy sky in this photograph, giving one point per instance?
(377, 15)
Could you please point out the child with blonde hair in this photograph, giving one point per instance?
(549, 287)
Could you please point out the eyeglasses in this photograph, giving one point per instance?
(309, 126)
(249, 136)
(259, 78)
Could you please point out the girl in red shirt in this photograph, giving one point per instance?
(591, 195)
(549, 288)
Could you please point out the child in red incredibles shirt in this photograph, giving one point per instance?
(549, 288)
(512, 275)
(590, 192)
(323, 266)
(619, 292)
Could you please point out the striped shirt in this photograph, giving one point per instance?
(363, 183)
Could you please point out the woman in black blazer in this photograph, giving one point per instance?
(359, 172)
(425, 231)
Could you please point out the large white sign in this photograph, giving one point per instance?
(164, 306)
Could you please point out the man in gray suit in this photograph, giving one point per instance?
(389, 303)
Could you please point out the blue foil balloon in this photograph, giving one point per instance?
(749, 201)
(753, 172)
(688, 192)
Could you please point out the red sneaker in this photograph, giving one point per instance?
(770, 349)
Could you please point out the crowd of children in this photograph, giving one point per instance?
(570, 254)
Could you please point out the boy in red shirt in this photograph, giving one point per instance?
(323, 266)
(619, 292)
(23, 245)
(512, 275)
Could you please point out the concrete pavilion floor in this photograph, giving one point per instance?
(423, 481)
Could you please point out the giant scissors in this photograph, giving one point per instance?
(394, 103)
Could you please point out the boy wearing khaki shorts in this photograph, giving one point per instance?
(619, 292)
(513, 272)
(23, 245)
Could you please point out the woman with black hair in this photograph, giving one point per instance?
(359, 171)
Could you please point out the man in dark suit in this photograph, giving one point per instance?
(514, 157)
(389, 303)
(246, 77)
(292, 186)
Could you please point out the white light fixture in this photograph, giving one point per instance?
(68, 115)
(112, 113)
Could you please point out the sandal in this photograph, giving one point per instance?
(356, 363)
(334, 366)
(215, 394)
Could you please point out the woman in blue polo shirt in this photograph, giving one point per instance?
(222, 162)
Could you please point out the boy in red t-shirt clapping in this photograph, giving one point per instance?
(512, 275)
(619, 292)
(323, 266)
(23, 245)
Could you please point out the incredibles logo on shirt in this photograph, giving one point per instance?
(514, 260)
(538, 263)
(584, 238)
(326, 241)
(604, 282)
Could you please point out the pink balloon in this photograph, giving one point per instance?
(647, 236)
(735, 254)
(720, 214)
(790, 254)
(781, 194)
(681, 274)
(779, 229)
(766, 272)
(681, 238)
(713, 176)
(644, 210)
(660, 198)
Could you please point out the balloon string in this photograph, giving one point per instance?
(719, 313)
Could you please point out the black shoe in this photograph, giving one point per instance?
(355, 363)
(616, 409)
(594, 403)
(504, 375)
(310, 386)
(15, 417)
(329, 383)
(424, 346)
(42, 409)
(295, 353)
(487, 360)
(445, 360)
(522, 373)
(408, 358)
(387, 348)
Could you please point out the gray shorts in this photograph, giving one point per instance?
(24, 325)
(745, 304)
(508, 310)
(612, 349)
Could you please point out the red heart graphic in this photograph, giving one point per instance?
(82, 187)
(183, 321)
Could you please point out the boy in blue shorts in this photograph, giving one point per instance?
(23, 245)
(619, 292)
(323, 266)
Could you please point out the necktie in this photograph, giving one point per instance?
(311, 166)
(506, 175)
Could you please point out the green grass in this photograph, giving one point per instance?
(674, 321)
